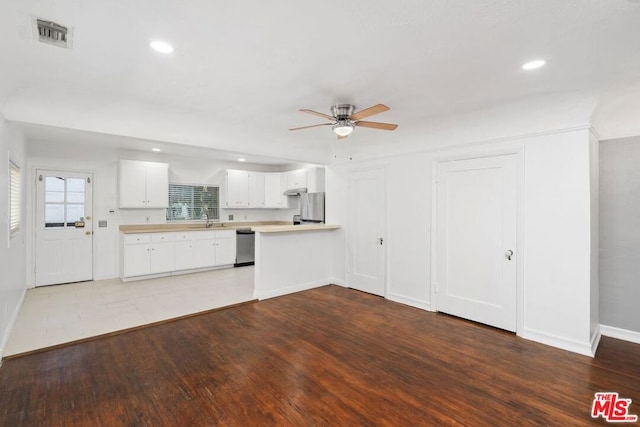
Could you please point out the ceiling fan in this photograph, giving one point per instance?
(344, 120)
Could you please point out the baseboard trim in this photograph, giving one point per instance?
(575, 346)
(290, 289)
(413, 302)
(595, 340)
(619, 333)
(11, 324)
(339, 282)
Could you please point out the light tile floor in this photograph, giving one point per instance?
(59, 314)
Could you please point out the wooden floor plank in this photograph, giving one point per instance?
(328, 356)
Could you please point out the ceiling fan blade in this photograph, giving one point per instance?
(315, 113)
(312, 126)
(377, 125)
(376, 109)
(342, 137)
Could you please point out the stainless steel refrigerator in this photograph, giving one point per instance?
(311, 207)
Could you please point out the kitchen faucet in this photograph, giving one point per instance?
(206, 217)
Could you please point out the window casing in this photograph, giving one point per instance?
(15, 199)
(188, 202)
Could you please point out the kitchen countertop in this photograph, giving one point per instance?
(258, 226)
(290, 227)
(217, 226)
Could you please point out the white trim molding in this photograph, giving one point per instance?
(412, 302)
(339, 282)
(587, 348)
(4, 340)
(621, 334)
(290, 289)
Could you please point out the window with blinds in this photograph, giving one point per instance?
(193, 202)
(15, 197)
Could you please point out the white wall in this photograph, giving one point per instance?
(594, 156)
(620, 233)
(556, 278)
(103, 163)
(557, 241)
(13, 282)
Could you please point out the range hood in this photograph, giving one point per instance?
(295, 191)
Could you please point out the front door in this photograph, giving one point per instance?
(476, 240)
(64, 227)
(366, 231)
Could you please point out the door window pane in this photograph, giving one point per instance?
(54, 215)
(75, 184)
(75, 197)
(53, 183)
(74, 213)
(64, 201)
(54, 197)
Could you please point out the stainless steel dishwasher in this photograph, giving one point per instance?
(245, 247)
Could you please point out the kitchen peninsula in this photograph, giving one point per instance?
(292, 258)
(288, 258)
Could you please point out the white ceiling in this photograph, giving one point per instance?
(242, 69)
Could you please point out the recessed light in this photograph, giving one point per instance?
(155, 149)
(241, 160)
(162, 47)
(532, 65)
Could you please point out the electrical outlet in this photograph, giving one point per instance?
(231, 217)
(245, 217)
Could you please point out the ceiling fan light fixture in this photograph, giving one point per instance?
(342, 128)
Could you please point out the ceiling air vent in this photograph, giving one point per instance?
(52, 33)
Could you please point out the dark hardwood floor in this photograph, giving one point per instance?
(328, 356)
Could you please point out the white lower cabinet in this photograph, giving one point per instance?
(160, 253)
(137, 260)
(148, 254)
(184, 255)
(204, 252)
(226, 247)
(163, 257)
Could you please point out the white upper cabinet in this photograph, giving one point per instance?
(237, 189)
(143, 184)
(247, 189)
(315, 180)
(274, 186)
(256, 190)
(296, 179)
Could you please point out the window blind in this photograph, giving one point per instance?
(193, 202)
(14, 198)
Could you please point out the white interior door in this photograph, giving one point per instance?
(366, 231)
(476, 240)
(64, 227)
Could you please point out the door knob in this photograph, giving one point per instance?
(508, 254)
